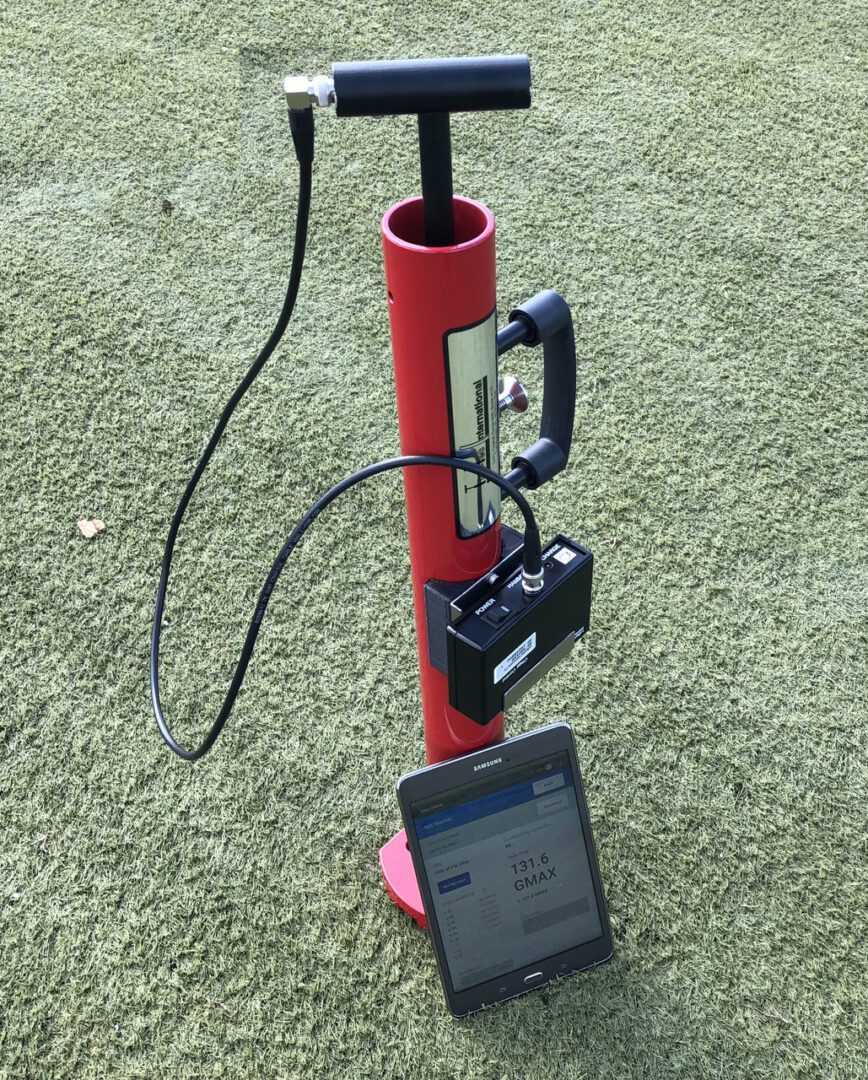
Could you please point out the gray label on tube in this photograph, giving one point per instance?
(471, 371)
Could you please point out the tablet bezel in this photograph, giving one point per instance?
(458, 772)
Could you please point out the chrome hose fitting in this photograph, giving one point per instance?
(302, 91)
(531, 584)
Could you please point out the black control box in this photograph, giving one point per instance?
(500, 642)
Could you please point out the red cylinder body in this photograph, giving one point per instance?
(434, 293)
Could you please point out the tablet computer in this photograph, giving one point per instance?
(504, 857)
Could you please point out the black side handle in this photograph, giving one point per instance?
(460, 84)
(546, 319)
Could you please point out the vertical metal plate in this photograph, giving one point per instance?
(471, 377)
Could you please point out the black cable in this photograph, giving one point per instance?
(532, 563)
(301, 126)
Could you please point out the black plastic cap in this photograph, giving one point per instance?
(540, 462)
(545, 314)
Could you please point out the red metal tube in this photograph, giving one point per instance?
(442, 318)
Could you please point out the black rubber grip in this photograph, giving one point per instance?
(549, 321)
(468, 84)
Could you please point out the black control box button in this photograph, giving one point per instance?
(497, 614)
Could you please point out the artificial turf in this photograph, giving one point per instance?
(692, 178)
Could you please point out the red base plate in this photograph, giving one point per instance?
(399, 876)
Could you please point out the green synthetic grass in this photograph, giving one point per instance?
(692, 178)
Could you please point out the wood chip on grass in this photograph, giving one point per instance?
(90, 527)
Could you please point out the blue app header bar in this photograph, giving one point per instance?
(497, 801)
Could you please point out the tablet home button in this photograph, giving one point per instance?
(532, 976)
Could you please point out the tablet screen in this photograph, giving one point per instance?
(508, 870)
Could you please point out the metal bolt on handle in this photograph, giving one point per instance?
(511, 395)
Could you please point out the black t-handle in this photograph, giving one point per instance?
(432, 89)
(457, 84)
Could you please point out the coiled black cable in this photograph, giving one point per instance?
(301, 123)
